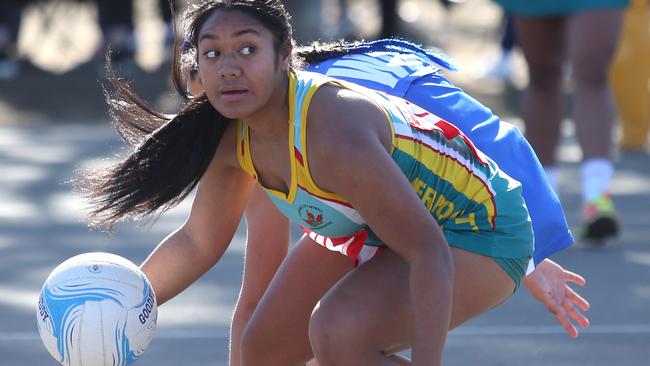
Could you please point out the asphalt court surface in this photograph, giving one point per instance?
(40, 226)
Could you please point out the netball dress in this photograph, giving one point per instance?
(478, 207)
(402, 69)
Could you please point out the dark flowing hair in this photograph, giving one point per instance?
(169, 154)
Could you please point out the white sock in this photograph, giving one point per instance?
(596, 178)
(551, 175)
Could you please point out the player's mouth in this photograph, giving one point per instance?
(233, 93)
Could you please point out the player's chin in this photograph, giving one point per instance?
(234, 111)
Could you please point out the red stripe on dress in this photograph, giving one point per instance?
(420, 142)
(449, 130)
(353, 249)
(298, 156)
(342, 203)
(452, 132)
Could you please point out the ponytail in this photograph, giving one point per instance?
(168, 156)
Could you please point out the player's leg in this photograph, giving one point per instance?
(267, 240)
(368, 313)
(592, 38)
(277, 333)
(542, 42)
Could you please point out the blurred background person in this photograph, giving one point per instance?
(336, 20)
(345, 28)
(10, 14)
(389, 19)
(166, 15)
(117, 25)
(167, 18)
(630, 76)
(502, 68)
(117, 20)
(583, 33)
(393, 25)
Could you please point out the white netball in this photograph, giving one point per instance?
(96, 309)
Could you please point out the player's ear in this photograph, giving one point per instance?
(285, 56)
(194, 83)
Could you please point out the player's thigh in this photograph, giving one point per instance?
(371, 304)
(282, 315)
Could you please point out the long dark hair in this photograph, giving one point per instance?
(169, 154)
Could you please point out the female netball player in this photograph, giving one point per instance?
(402, 181)
(399, 68)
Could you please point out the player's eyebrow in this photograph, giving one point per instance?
(239, 33)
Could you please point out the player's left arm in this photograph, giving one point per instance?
(353, 134)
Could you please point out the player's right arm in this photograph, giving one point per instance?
(190, 251)
(267, 243)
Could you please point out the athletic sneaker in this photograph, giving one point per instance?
(599, 219)
(501, 69)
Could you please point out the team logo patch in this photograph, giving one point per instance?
(313, 217)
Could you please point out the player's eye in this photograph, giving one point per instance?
(248, 50)
(212, 53)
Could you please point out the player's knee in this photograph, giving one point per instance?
(253, 346)
(245, 309)
(264, 346)
(330, 332)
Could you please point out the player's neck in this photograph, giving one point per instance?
(272, 119)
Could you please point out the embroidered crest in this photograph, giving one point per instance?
(313, 217)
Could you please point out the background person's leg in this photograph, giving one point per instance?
(116, 22)
(389, 19)
(542, 42)
(10, 16)
(592, 38)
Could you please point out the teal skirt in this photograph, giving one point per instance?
(545, 8)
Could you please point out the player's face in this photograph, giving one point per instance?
(238, 64)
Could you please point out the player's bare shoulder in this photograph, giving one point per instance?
(343, 126)
(342, 116)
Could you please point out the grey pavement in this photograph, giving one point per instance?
(45, 139)
(41, 225)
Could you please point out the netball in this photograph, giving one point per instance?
(96, 309)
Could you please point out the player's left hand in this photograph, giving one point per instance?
(548, 283)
